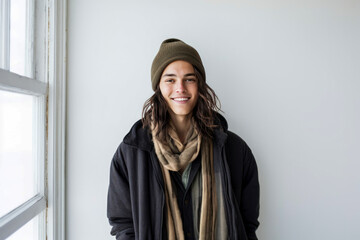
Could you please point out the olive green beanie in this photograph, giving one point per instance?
(171, 50)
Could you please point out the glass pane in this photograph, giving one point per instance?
(17, 151)
(18, 36)
(27, 232)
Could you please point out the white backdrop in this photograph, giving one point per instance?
(288, 77)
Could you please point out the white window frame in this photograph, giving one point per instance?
(49, 82)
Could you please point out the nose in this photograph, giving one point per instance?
(180, 87)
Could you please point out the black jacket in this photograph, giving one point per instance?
(136, 200)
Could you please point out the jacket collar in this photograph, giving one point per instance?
(220, 133)
(140, 137)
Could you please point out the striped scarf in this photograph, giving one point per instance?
(174, 156)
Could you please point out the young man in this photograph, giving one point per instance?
(179, 173)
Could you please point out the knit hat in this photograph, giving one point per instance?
(171, 50)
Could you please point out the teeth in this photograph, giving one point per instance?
(180, 99)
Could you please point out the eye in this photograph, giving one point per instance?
(190, 80)
(169, 80)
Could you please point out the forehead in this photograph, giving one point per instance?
(179, 67)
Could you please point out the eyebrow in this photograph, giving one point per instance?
(174, 75)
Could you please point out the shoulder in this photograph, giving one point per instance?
(138, 137)
(240, 159)
(235, 141)
(238, 154)
(136, 145)
(231, 139)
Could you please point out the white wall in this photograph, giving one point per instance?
(287, 74)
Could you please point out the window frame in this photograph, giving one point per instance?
(5, 33)
(49, 85)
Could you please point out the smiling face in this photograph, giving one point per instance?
(179, 87)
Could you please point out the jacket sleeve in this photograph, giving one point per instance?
(245, 185)
(119, 203)
(250, 195)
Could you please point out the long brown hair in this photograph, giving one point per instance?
(155, 110)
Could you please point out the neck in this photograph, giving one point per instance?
(182, 125)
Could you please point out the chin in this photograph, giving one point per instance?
(182, 113)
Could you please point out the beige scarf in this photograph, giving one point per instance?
(175, 156)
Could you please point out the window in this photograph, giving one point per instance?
(32, 113)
